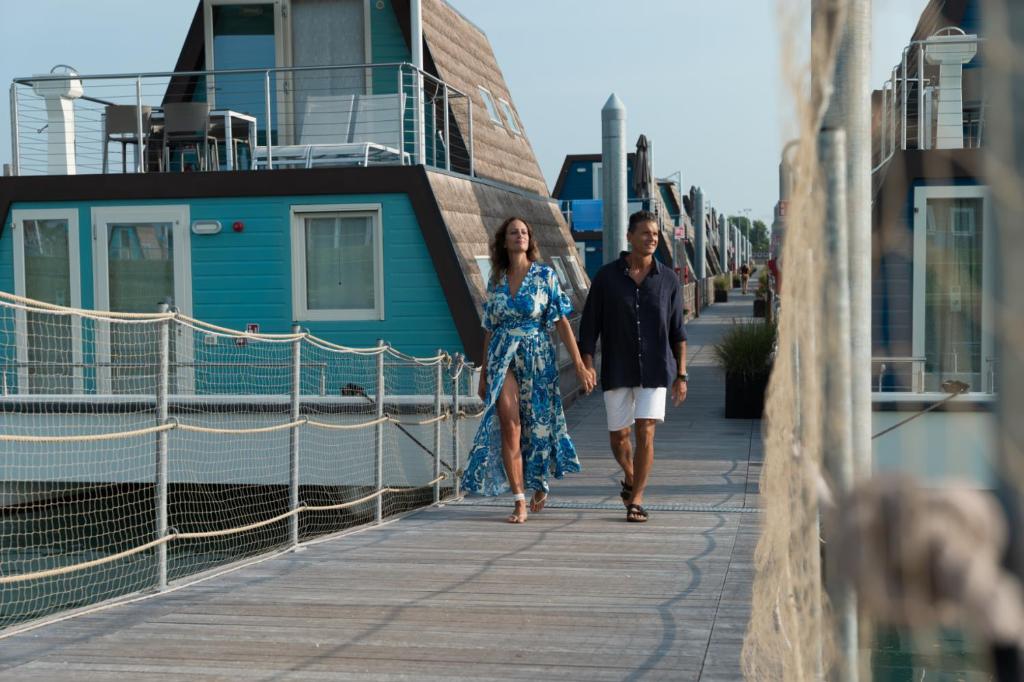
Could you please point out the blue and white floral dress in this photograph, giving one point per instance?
(520, 329)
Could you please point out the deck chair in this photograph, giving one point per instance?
(375, 134)
(326, 120)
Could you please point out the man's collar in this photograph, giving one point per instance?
(655, 265)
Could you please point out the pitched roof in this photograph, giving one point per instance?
(462, 56)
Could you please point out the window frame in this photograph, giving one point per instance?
(510, 117)
(577, 270)
(18, 218)
(486, 277)
(921, 196)
(490, 106)
(180, 217)
(300, 309)
(563, 275)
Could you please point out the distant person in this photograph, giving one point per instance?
(744, 276)
(522, 435)
(635, 308)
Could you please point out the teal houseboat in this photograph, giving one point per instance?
(335, 164)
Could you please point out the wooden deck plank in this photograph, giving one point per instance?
(455, 593)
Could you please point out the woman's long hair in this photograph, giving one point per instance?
(499, 253)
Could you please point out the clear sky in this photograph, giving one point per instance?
(702, 79)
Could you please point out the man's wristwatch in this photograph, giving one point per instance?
(683, 376)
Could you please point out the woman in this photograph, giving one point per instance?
(522, 435)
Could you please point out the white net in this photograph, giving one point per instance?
(140, 448)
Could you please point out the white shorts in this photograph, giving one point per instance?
(623, 406)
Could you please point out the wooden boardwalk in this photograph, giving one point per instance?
(454, 593)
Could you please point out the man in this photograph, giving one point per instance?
(635, 307)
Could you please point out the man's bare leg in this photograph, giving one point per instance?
(622, 448)
(643, 458)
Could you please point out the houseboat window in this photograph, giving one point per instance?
(337, 261)
(483, 263)
(492, 110)
(598, 179)
(953, 292)
(47, 270)
(563, 278)
(510, 117)
(577, 271)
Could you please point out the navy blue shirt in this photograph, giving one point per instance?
(638, 325)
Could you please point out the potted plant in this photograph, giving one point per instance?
(721, 284)
(736, 281)
(762, 297)
(746, 353)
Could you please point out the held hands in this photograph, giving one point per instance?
(587, 377)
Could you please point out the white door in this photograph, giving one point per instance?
(47, 268)
(953, 286)
(140, 260)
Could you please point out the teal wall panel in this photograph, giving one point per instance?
(243, 277)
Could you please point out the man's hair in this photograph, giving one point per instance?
(641, 217)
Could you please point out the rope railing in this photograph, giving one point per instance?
(394, 414)
(201, 535)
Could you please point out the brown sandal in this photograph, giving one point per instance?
(636, 514)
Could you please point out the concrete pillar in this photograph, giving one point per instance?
(699, 242)
(723, 243)
(613, 180)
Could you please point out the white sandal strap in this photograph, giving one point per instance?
(519, 497)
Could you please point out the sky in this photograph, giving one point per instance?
(702, 79)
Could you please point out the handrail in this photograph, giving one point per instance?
(892, 133)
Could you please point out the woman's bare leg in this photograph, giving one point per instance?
(511, 454)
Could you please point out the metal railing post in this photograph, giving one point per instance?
(163, 372)
(457, 366)
(378, 475)
(15, 132)
(893, 131)
(439, 389)
(401, 115)
(266, 125)
(472, 168)
(920, 97)
(421, 121)
(293, 438)
(447, 141)
(140, 166)
(883, 122)
(903, 103)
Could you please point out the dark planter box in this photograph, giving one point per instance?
(744, 395)
(736, 282)
(721, 296)
(760, 307)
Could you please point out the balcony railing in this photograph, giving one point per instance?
(243, 119)
(931, 101)
(909, 375)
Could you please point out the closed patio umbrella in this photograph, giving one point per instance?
(642, 169)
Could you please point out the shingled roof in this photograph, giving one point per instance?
(463, 57)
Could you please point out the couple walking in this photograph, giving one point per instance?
(634, 307)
